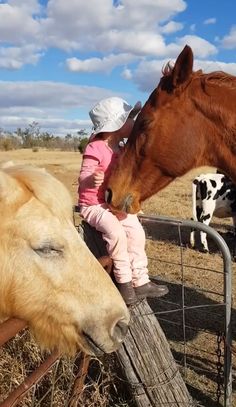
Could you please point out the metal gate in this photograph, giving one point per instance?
(222, 334)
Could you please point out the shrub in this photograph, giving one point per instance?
(82, 145)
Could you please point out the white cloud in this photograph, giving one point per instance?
(126, 74)
(88, 26)
(22, 103)
(148, 73)
(17, 24)
(29, 6)
(171, 27)
(16, 57)
(105, 64)
(229, 41)
(210, 21)
(108, 29)
(210, 66)
(63, 26)
(136, 42)
(49, 95)
(200, 46)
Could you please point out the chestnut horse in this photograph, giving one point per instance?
(49, 278)
(188, 121)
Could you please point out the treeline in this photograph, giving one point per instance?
(32, 137)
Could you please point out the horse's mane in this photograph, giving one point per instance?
(167, 69)
(219, 78)
(46, 188)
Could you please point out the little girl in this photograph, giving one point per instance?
(113, 120)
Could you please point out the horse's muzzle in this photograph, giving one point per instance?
(117, 335)
(119, 331)
(123, 206)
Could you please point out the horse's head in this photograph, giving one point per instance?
(161, 134)
(49, 278)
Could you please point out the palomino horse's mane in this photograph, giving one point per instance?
(46, 188)
(219, 78)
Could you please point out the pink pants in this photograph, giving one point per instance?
(125, 240)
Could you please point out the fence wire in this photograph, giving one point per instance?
(196, 316)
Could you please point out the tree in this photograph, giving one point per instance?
(30, 136)
(82, 133)
(46, 139)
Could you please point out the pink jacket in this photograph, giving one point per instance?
(98, 157)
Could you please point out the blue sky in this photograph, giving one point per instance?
(59, 57)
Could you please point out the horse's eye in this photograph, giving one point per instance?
(49, 251)
(142, 152)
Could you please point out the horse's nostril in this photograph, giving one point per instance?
(108, 195)
(119, 331)
(127, 203)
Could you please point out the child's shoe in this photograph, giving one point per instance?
(128, 293)
(151, 290)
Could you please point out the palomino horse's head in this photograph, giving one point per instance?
(48, 276)
(178, 128)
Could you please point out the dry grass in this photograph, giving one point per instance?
(164, 257)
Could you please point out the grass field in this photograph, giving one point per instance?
(164, 258)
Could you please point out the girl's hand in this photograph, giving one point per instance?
(98, 179)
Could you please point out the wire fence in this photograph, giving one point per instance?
(196, 315)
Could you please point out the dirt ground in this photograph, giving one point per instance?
(201, 273)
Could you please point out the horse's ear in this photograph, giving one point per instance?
(183, 66)
(9, 188)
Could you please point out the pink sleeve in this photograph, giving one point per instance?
(90, 163)
(93, 150)
(88, 168)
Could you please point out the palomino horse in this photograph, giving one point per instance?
(188, 121)
(49, 278)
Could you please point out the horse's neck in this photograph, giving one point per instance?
(225, 156)
(229, 168)
(218, 119)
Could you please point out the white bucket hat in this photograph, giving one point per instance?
(111, 114)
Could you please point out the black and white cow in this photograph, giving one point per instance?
(213, 194)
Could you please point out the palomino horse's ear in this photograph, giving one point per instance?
(9, 188)
(183, 66)
(6, 164)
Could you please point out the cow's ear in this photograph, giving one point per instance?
(183, 67)
(10, 189)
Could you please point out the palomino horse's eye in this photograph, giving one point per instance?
(49, 251)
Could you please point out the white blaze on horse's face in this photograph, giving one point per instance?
(48, 276)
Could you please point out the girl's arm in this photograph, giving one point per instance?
(90, 176)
